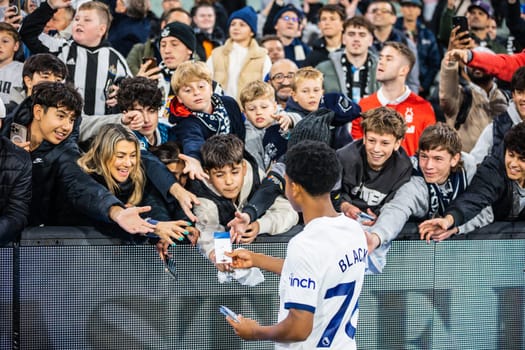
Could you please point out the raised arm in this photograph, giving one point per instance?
(33, 25)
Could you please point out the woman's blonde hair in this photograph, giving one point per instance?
(96, 160)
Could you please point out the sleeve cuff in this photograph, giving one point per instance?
(298, 306)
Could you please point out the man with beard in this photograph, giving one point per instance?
(352, 71)
(490, 141)
(395, 62)
(478, 16)
(382, 14)
(471, 107)
(281, 77)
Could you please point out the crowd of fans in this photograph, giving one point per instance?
(166, 130)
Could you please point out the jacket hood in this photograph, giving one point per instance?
(292, 106)
(22, 113)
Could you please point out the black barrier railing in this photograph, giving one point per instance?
(72, 288)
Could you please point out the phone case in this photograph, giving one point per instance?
(227, 312)
(18, 133)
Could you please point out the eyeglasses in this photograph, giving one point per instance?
(280, 77)
(290, 19)
(383, 11)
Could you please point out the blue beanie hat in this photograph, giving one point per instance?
(248, 15)
(287, 8)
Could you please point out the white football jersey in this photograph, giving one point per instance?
(323, 273)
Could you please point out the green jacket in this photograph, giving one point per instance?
(138, 52)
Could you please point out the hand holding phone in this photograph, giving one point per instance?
(18, 133)
(365, 216)
(227, 312)
(461, 22)
(152, 62)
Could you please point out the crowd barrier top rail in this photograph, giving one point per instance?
(86, 235)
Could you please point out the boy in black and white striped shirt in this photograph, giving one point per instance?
(93, 65)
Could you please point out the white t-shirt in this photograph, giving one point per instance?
(323, 273)
(11, 86)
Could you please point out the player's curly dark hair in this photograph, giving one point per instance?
(141, 90)
(515, 139)
(314, 166)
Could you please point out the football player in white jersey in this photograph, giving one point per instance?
(322, 274)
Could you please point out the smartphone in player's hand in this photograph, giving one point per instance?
(227, 312)
(461, 22)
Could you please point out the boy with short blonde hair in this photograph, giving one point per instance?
(103, 13)
(307, 89)
(197, 113)
(265, 122)
(308, 96)
(91, 23)
(306, 73)
(10, 70)
(188, 72)
(256, 90)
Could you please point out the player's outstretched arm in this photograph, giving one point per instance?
(244, 259)
(296, 327)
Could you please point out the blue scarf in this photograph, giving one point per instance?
(218, 121)
(440, 196)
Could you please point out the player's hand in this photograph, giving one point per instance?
(242, 258)
(245, 328)
(369, 222)
(220, 266)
